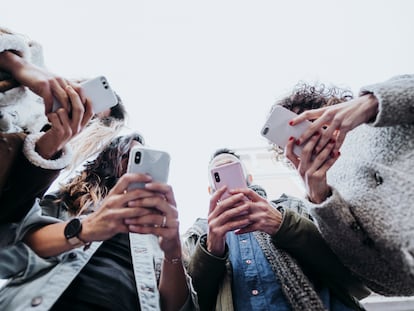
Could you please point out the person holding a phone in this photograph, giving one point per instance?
(95, 245)
(43, 148)
(362, 203)
(256, 254)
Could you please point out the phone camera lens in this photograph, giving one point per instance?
(137, 158)
(265, 130)
(217, 177)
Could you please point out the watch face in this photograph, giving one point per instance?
(73, 228)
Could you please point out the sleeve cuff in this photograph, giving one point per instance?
(14, 42)
(37, 160)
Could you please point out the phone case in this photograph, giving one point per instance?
(278, 131)
(149, 161)
(99, 92)
(230, 175)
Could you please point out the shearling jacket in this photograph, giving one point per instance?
(19, 160)
(369, 219)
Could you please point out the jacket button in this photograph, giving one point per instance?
(36, 301)
(72, 255)
(355, 227)
(378, 179)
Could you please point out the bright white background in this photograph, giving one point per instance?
(199, 75)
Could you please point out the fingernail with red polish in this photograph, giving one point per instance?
(290, 122)
(291, 138)
(297, 142)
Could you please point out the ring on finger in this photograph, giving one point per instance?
(164, 222)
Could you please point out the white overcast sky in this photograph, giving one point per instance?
(199, 75)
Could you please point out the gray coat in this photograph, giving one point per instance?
(369, 219)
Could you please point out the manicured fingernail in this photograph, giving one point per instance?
(297, 142)
(290, 122)
(334, 154)
(291, 138)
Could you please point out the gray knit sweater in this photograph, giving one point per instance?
(369, 219)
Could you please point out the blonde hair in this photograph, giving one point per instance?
(92, 140)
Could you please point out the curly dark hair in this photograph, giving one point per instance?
(305, 97)
(98, 177)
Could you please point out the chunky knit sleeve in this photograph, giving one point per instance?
(395, 100)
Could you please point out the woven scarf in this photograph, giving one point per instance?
(296, 287)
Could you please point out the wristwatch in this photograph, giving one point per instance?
(72, 230)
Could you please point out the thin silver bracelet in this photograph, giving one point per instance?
(173, 261)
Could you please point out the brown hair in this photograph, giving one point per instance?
(83, 192)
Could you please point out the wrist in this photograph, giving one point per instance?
(173, 260)
(84, 235)
(73, 231)
(278, 219)
(370, 103)
(11, 62)
(216, 249)
(319, 198)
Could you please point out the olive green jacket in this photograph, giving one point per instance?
(297, 235)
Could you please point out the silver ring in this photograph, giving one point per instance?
(164, 222)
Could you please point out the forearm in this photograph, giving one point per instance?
(49, 240)
(11, 62)
(7, 81)
(173, 285)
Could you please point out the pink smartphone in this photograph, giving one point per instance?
(231, 175)
(278, 131)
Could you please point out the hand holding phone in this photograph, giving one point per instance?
(149, 161)
(278, 131)
(98, 92)
(231, 175)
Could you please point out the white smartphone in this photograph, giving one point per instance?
(98, 92)
(278, 131)
(231, 175)
(148, 161)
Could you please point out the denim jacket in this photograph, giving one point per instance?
(36, 283)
